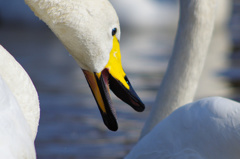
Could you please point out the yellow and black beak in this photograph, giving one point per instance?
(112, 77)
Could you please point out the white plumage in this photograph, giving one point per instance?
(205, 129)
(90, 31)
(185, 66)
(77, 23)
(19, 110)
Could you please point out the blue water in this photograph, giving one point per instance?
(70, 125)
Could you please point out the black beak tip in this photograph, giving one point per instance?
(113, 127)
(134, 101)
(139, 108)
(129, 96)
(110, 122)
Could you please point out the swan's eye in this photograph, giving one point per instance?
(114, 31)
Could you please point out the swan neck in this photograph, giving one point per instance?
(186, 63)
(22, 88)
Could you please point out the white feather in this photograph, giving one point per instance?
(205, 129)
(19, 110)
(83, 26)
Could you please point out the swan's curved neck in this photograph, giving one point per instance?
(22, 88)
(191, 44)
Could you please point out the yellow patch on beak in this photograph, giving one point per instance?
(113, 77)
(114, 64)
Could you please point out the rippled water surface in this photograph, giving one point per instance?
(70, 125)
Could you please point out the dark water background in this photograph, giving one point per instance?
(71, 126)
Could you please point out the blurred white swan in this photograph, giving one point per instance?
(19, 110)
(159, 14)
(146, 13)
(205, 129)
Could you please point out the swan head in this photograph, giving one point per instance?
(90, 31)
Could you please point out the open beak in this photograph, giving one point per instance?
(112, 77)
